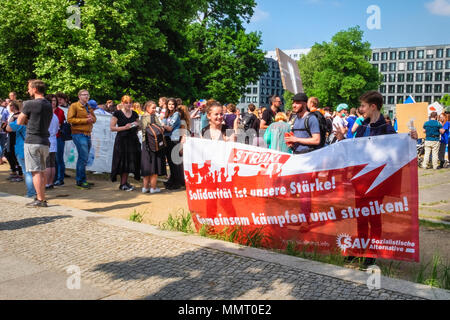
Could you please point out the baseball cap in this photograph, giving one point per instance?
(93, 104)
(300, 97)
(341, 107)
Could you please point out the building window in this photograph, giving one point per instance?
(409, 88)
(410, 77)
(255, 90)
(429, 65)
(437, 98)
(428, 88)
(243, 99)
(375, 66)
(400, 99)
(419, 65)
(249, 99)
(420, 54)
(447, 77)
(438, 76)
(402, 55)
(393, 55)
(410, 66)
(392, 66)
(427, 99)
(419, 77)
(419, 88)
(401, 77)
(439, 53)
(411, 54)
(418, 99)
(392, 77)
(384, 56)
(384, 78)
(429, 76)
(382, 89)
(384, 67)
(391, 89)
(447, 54)
(376, 56)
(400, 89)
(391, 100)
(254, 100)
(447, 88)
(439, 65)
(438, 88)
(447, 64)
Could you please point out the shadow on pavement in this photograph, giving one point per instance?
(210, 274)
(29, 222)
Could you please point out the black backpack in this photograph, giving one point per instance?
(248, 121)
(323, 127)
(155, 137)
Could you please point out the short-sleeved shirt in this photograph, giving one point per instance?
(122, 121)
(350, 122)
(300, 132)
(432, 130)
(39, 113)
(268, 116)
(445, 135)
(53, 130)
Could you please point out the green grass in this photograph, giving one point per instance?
(434, 225)
(180, 221)
(435, 273)
(433, 203)
(136, 216)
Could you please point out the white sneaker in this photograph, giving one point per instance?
(145, 190)
(156, 190)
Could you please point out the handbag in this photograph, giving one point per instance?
(66, 131)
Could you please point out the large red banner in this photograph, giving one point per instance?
(358, 197)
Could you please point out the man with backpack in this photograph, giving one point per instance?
(309, 129)
(250, 122)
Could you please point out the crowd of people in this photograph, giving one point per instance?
(150, 137)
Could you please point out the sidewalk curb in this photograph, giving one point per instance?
(356, 276)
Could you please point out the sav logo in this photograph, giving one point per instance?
(344, 242)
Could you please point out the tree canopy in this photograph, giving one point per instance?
(145, 48)
(339, 71)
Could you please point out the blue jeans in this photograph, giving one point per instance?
(83, 144)
(60, 166)
(2, 144)
(31, 192)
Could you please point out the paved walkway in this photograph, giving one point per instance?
(118, 259)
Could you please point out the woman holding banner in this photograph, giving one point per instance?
(216, 130)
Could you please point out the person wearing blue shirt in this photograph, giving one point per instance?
(433, 129)
(20, 131)
(351, 119)
(444, 139)
(172, 123)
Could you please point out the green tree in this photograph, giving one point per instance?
(445, 100)
(223, 58)
(339, 71)
(145, 48)
(287, 97)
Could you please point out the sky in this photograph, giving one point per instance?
(296, 24)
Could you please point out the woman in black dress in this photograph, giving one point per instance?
(127, 148)
(153, 164)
